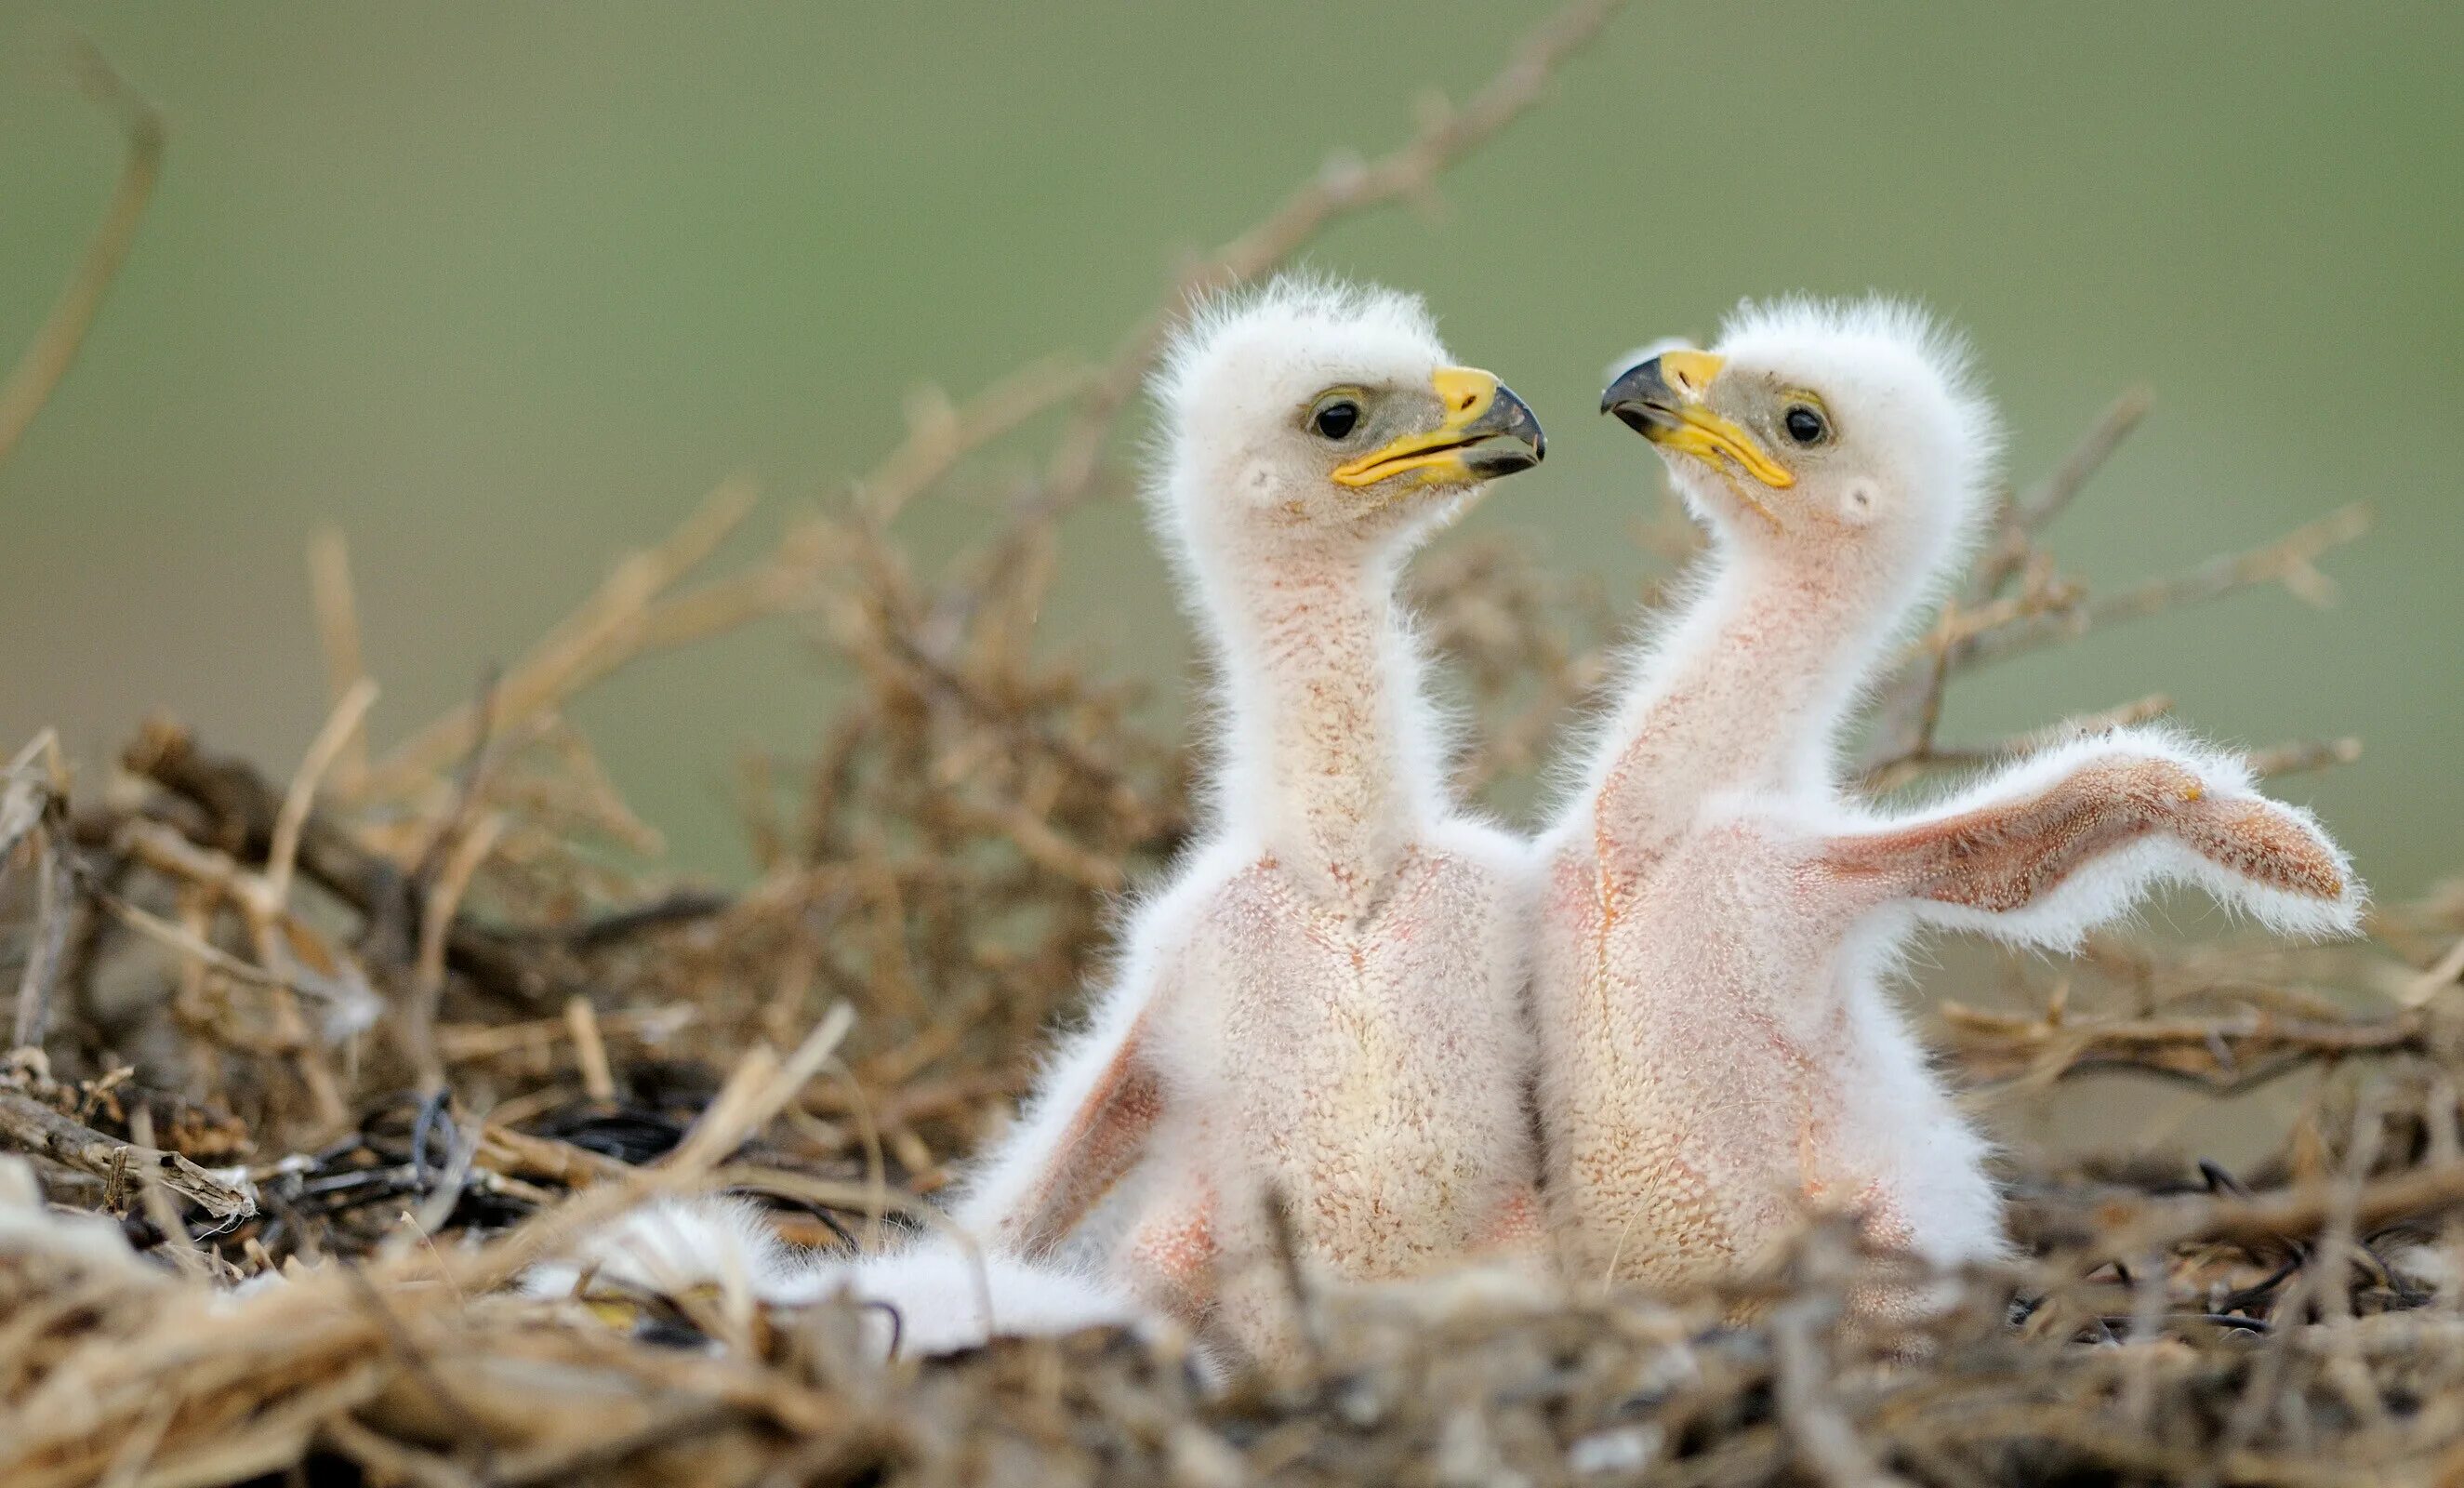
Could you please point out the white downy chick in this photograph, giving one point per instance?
(1718, 1054)
(1323, 1007)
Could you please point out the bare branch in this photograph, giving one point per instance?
(1891, 774)
(2286, 561)
(585, 646)
(2301, 758)
(29, 1125)
(46, 361)
(2026, 517)
(1344, 186)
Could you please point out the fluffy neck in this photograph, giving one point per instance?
(1747, 691)
(1326, 758)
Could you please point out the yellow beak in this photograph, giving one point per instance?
(1662, 400)
(1485, 431)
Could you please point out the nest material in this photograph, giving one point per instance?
(307, 1067)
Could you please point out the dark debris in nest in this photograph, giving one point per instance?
(387, 1025)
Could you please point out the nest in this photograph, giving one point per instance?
(309, 1063)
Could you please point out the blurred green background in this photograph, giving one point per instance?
(503, 289)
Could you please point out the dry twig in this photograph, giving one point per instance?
(46, 360)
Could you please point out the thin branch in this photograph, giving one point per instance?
(939, 434)
(341, 727)
(2025, 518)
(46, 360)
(2010, 625)
(2302, 757)
(2286, 561)
(1826, 1444)
(2216, 1050)
(336, 599)
(1906, 710)
(31, 1127)
(1890, 774)
(469, 850)
(54, 900)
(1344, 186)
(2283, 1214)
(598, 637)
(33, 811)
(242, 809)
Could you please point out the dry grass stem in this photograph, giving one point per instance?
(46, 360)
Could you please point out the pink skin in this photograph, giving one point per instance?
(2006, 857)
(1718, 1053)
(1322, 1007)
(1371, 955)
(1104, 1140)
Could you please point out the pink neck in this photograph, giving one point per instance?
(1323, 755)
(1746, 693)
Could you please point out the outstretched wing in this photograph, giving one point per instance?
(1095, 1150)
(1084, 1129)
(2037, 854)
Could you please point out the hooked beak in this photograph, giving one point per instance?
(1488, 431)
(1662, 400)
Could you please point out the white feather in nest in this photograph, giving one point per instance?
(931, 1297)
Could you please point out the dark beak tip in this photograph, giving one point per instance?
(1629, 392)
(1491, 464)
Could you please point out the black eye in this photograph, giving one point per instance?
(1336, 420)
(1804, 425)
